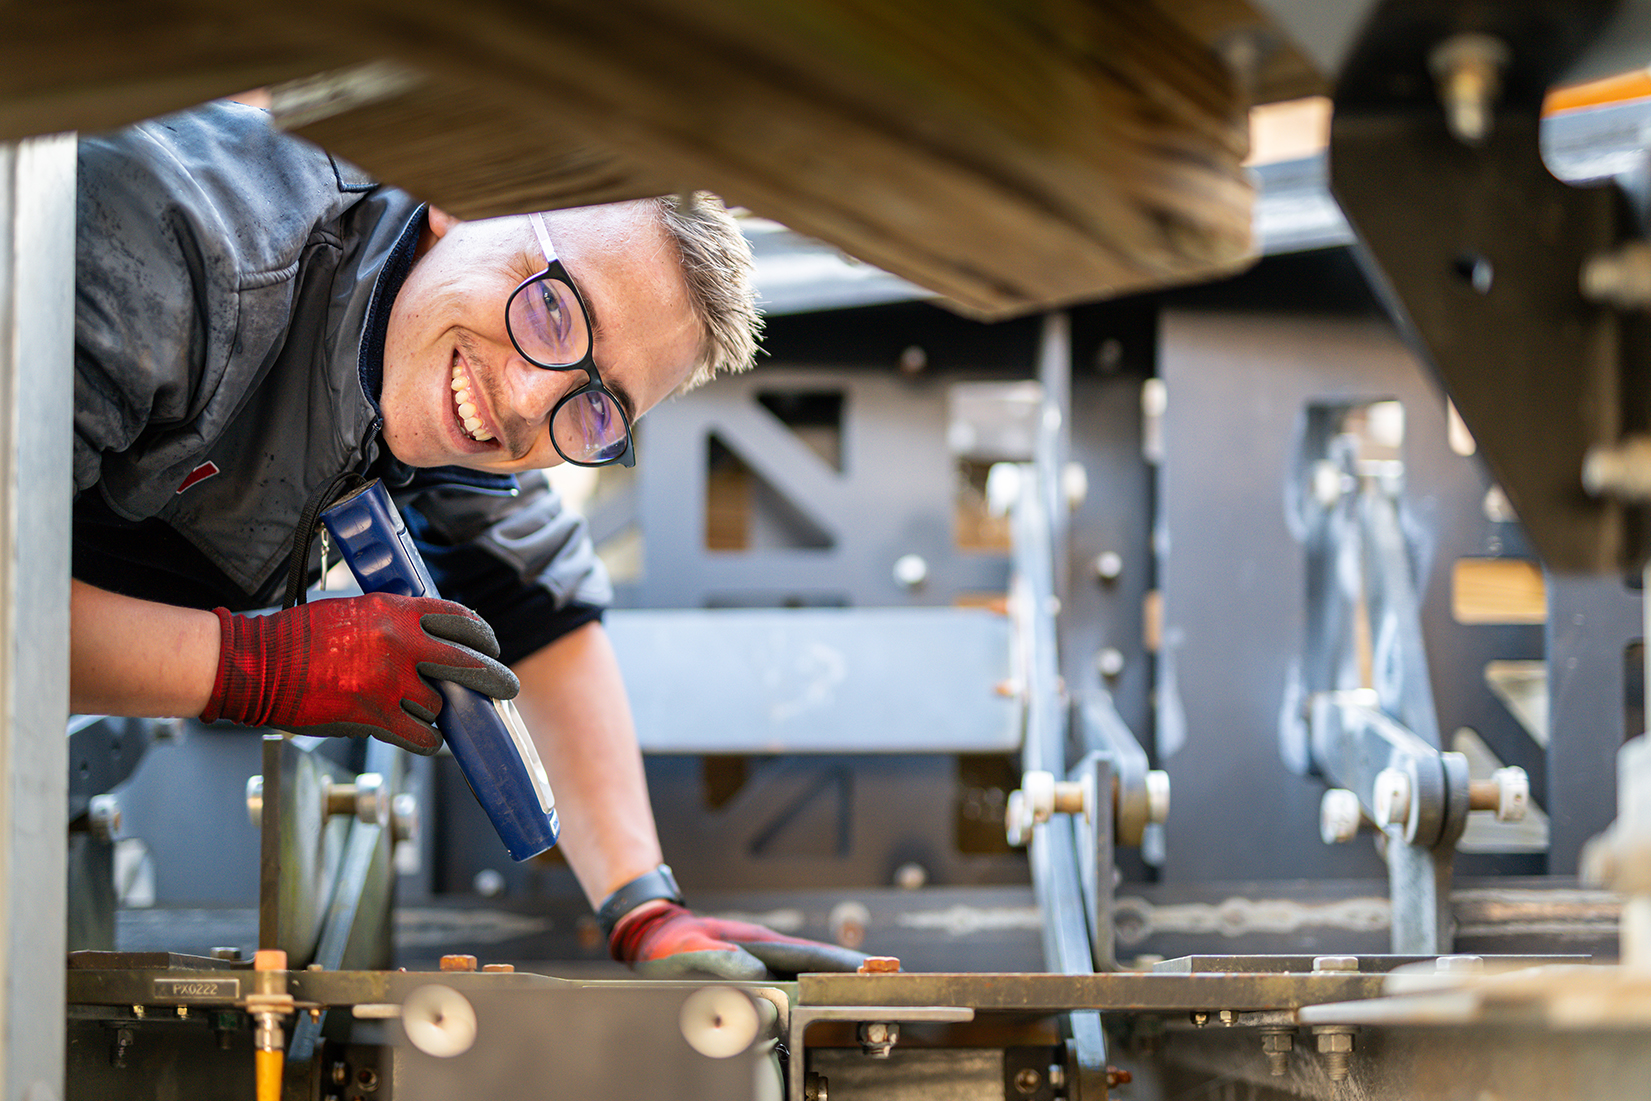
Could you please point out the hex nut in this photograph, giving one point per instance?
(1329, 1042)
(1274, 1043)
(1339, 816)
(1513, 791)
(1158, 792)
(1335, 963)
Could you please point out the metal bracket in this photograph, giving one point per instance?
(1478, 251)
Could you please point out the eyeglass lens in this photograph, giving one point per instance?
(589, 428)
(548, 322)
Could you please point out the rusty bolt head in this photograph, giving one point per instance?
(880, 965)
(1116, 1077)
(1335, 1041)
(458, 962)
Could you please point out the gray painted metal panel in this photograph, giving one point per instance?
(818, 680)
(37, 227)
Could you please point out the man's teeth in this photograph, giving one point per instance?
(467, 407)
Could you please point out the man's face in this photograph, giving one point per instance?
(447, 337)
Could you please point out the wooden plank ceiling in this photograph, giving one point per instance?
(1010, 155)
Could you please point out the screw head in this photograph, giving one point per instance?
(1335, 963)
(1028, 1080)
(910, 571)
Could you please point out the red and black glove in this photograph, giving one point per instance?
(354, 666)
(662, 939)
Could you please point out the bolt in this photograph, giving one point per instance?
(340, 1073)
(1335, 963)
(911, 876)
(226, 953)
(1335, 1043)
(1057, 1077)
(1326, 483)
(1157, 784)
(183, 1012)
(458, 962)
(255, 801)
(138, 1011)
(1391, 797)
(1621, 470)
(1339, 816)
(489, 883)
(1468, 70)
(1109, 661)
(1276, 1044)
(103, 813)
(123, 1043)
(913, 360)
(814, 1087)
(1459, 965)
(880, 965)
(910, 571)
(848, 922)
(877, 1038)
(1116, 1077)
(404, 818)
(1109, 566)
(1228, 1017)
(1200, 1018)
(1619, 278)
(1507, 792)
(1017, 820)
(499, 968)
(1027, 1080)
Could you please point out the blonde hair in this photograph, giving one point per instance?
(717, 266)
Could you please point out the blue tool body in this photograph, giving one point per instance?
(487, 737)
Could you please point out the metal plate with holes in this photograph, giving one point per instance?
(560, 1042)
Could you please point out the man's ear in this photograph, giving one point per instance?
(440, 221)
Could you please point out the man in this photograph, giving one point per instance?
(255, 319)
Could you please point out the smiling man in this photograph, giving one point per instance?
(254, 320)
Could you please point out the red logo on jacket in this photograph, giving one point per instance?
(199, 474)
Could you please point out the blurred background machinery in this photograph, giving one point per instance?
(1195, 677)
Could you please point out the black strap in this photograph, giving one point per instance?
(298, 568)
(659, 883)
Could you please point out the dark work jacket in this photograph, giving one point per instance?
(233, 284)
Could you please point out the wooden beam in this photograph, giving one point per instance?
(1009, 156)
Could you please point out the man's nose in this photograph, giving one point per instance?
(533, 391)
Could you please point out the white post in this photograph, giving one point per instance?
(37, 245)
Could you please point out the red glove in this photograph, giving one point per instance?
(668, 941)
(354, 666)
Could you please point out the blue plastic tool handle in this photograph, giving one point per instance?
(499, 764)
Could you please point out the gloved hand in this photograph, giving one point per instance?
(354, 666)
(663, 940)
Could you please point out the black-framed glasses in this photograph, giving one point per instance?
(549, 325)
